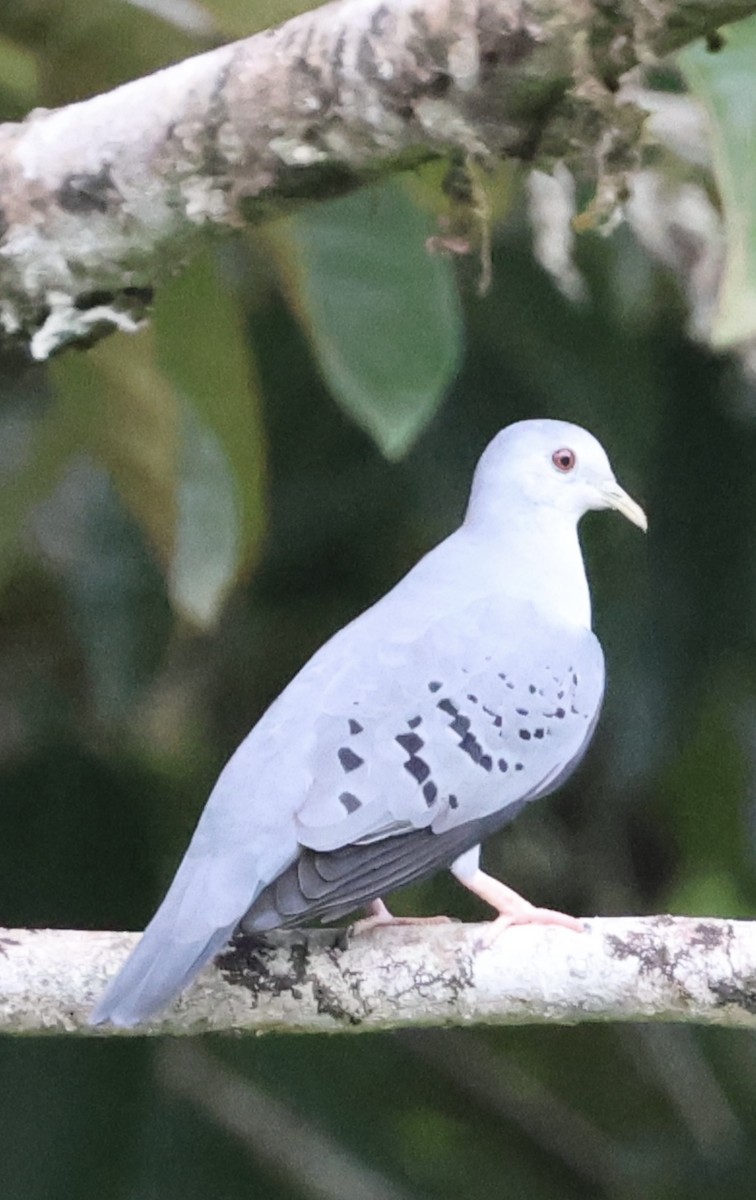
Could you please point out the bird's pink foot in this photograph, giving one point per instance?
(530, 915)
(513, 909)
(380, 915)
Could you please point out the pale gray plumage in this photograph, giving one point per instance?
(468, 690)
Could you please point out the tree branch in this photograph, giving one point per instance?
(99, 200)
(622, 969)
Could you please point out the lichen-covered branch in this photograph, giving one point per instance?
(621, 969)
(99, 200)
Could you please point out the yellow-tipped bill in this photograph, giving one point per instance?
(617, 497)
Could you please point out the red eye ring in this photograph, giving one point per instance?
(564, 460)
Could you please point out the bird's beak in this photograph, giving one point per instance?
(616, 497)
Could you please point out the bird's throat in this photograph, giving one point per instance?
(543, 566)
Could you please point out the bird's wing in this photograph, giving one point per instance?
(328, 884)
(481, 708)
(428, 748)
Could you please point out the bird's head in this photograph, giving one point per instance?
(549, 464)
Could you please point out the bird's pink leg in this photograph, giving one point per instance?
(512, 908)
(380, 915)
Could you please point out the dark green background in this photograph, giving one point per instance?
(115, 715)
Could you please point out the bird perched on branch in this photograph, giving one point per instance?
(470, 689)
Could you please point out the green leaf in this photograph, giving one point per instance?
(117, 608)
(208, 535)
(116, 404)
(382, 314)
(203, 351)
(724, 83)
(18, 79)
(112, 429)
(174, 416)
(37, 448)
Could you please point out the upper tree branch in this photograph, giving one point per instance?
(624, 969)
(98, 200)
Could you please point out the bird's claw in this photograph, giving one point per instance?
(380, 916)
(528, 915)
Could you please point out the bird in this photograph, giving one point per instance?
(426, 724)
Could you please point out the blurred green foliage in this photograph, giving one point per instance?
(722, 79)
(361, 263)
(188, 513)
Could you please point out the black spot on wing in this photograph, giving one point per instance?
(418, 768)
(470, 746)
(354, 726)
(411, 742)
(430, 792)
(348, 759)
(460, 725)
(350, 802)
(473, 748)
(495, 717)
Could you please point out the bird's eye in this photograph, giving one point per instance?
(564, 459)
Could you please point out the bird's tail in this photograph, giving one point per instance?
(221, 874)
(197, 917)
(155, 972)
